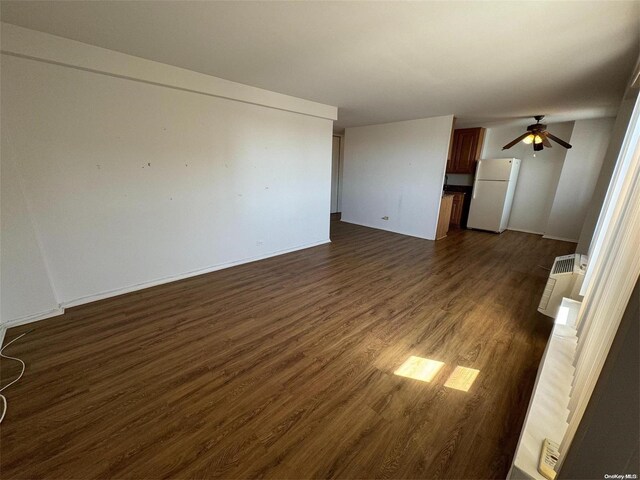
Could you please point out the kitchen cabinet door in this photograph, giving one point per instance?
(467, 147)
(456, 209)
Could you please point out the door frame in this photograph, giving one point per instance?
(340, 137)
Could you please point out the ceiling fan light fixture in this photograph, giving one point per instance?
(537, 135)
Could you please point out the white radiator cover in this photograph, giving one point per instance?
(565, 280)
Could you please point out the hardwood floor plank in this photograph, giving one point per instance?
(283, 368)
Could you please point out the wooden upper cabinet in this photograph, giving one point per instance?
(466, 149)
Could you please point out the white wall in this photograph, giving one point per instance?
(50, 48)
(538, 176)
(580, 172)
(26, 289)
(132, 183)
(464, 179)
(396, 170)
(618, 133)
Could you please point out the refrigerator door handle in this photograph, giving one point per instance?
(475, 180)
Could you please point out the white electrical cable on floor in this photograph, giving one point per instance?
(4, 399)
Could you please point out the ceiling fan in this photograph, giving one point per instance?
(537, 135)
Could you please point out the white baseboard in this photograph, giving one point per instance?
(548, 237)
(33, 318)
(120, 291)
(525, 231)
(551, 237)
(181, 276)
(378, 227)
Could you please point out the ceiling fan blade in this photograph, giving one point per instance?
(558, 140)
(513, 142)
(545, 140)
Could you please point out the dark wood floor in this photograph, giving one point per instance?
(283, 368)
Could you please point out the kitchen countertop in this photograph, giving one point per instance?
(466, 190)
(457, 188)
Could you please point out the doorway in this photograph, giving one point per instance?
(336, 166)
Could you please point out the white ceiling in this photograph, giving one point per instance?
(379, 61)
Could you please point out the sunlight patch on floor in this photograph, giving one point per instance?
(418, 368)
(462, 378)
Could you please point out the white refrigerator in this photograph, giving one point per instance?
(492, 196)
